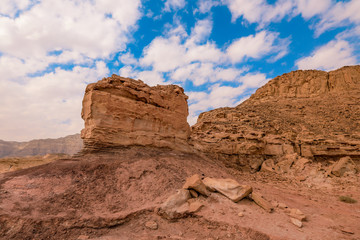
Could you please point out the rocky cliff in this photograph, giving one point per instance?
(315, 114)
(68, 145)
(121, 112)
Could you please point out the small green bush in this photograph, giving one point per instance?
(347, 199)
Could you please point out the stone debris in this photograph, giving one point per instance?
(344, 165)
(176, 206)
(151, 225)
(262, 202)
(282, 206)
(194, 182)
(83, 237)
(296, 213)
(228, 187)
(193, 193)
(296, 222)
(195, 206)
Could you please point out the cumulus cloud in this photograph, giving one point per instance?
(64, 31)
(310, 8)
(335, 54)
(257, 46)
(340, 14)
(46, 106)
(259, 11)
(174, 5)
(223, 96)
(40, 41)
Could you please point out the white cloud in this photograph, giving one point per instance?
(11, 7)
(223, 96)
(257, 46)
(38, 35)
(174, 5)
(94, 29)
(310, 8)
(151, 78)
(46, 106)
(340, 14)
(335, 54)
(259, 11)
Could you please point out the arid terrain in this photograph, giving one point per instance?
(282, 165)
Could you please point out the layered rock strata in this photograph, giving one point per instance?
(121, 111)
(312, 113)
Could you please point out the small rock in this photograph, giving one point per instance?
(193, 193)
(296, 213)
(296, 222)
(346, 230)
(345, 164)
(282, 206)
(194, 182)
(262, 202)
(240, 214)
(151, 225)
(195, 206)
(83, 237)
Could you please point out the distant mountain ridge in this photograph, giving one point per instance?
(69, 145)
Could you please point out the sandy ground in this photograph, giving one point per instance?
(113, 195)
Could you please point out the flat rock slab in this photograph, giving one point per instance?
(228, 187)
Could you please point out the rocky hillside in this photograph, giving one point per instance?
(68, 145)
(312, 113)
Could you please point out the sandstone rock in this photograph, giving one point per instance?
(256, 163)
(121, 111)
(268, 165)
(176, 206)
(193, 193)
(297, 214)
(151, 225)
(194, 182)
(311, 113)
(296, 222)
(228, 187)
(261, 201)
(195, 206)
(83, 237)
(345, 164)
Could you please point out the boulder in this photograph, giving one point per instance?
(194, 182)
(344, 165)
(121, 111)
(228, 187)
(176, 206)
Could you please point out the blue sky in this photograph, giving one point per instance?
(219, 51)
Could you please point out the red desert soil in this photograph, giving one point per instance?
(112, 195)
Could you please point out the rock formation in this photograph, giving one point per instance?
(312, 113)
(121, 111)
(68, 145)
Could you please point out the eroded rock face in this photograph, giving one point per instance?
(120, 112)
(312, 113)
